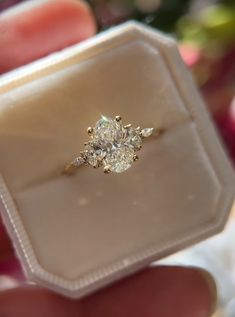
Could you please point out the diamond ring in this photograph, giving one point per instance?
(112, 146)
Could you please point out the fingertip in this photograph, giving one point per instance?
(210, 284)
(39, 28)
(160, 291)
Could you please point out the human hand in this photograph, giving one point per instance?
(159, 291)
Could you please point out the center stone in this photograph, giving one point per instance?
(107, 130)
(120, 159)
(113, 145)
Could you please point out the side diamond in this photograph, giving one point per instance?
(133, 138)
(147, 132)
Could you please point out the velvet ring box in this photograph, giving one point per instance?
(76, 234)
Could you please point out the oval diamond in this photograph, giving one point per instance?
(120, 159)
(113, 145)
(107, 130)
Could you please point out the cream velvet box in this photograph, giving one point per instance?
(77, 234)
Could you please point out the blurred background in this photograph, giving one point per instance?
(205, 30)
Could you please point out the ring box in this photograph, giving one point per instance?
(77, 234)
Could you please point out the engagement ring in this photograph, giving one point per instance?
(112, 146)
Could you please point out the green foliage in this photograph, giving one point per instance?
(168, 14)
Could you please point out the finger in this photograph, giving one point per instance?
(11, 268)
(160, 291)
(9, 265)
(6, 250)
(41, 27)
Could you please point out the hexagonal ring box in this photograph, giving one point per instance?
(76, 234)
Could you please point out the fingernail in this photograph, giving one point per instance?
(211, 284)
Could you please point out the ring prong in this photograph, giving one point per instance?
(90, 131)
(107, 170)
(128, 126)
(118, 118)
(135, 158)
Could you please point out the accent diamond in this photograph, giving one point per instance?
(94, 154)
(147, 132)
(133, 138)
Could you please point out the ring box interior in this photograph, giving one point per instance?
(76, 234)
